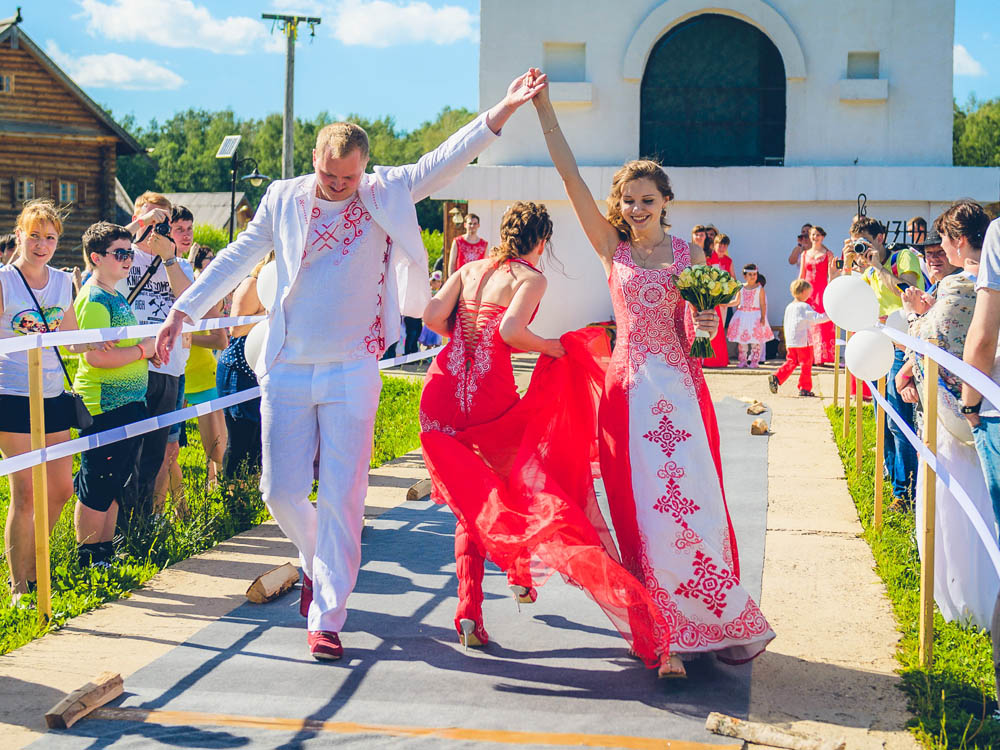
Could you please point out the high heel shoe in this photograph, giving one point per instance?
(523, 595)
(471, 633)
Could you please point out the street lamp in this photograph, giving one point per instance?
(228, 150)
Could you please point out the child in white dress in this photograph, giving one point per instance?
(749, 328)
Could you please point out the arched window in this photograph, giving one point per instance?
(713, 95)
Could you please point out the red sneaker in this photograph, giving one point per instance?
(306, 597)
(325, 645)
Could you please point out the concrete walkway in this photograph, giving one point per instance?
(829, 671)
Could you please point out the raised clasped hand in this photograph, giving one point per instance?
(526, 87)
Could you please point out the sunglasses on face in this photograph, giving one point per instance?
(121, 254)
(803, 236)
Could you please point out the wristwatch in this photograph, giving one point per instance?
(974, 409)
(169, 262)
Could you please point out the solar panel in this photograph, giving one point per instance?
(228, 147)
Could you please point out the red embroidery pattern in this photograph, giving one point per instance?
(342, 231)
(710, 583)
(686, 537)
(656, 312)
(691, 635)
(469, 367)
(667, 436)
(375, 340)
(674, 502)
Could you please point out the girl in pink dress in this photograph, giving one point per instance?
(749, 328)
(817, 265)
(467, 248)
(659, 440)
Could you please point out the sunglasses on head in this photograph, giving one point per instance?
(121, 254)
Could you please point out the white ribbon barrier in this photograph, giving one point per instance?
(61, 450)
(93, 335)
(70, 447)
(966, 372)
(986, 534)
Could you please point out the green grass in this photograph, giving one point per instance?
(952, 701)
(214, 517)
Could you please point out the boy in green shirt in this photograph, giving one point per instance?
(111, 379)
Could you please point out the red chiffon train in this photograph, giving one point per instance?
(521, 483)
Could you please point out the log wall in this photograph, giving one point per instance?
(69, 144)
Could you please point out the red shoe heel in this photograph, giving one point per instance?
(471, 633)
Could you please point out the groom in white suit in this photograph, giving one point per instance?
(349, 259)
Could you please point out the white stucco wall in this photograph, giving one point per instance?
(761, 208)
(914, 40)
(890, 138)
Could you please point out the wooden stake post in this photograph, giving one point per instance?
(879, 453)
(859, 448)
(847, 394)
(39, 485)
(836, 365)
(926, 650)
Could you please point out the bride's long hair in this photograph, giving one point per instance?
(636, 170)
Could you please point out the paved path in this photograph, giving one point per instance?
(188, 645)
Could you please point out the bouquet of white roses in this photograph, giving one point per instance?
(705, 287)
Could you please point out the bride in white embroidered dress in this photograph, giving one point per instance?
(659, 439)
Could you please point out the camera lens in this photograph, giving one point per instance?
(860, 247)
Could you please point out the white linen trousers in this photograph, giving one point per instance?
(332, 403)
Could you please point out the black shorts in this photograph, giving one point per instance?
(106, 471)
(60, 414)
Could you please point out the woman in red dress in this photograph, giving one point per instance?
(468, 247)
(720, 257)
(659, 438)
(817, 265)
(517, 471)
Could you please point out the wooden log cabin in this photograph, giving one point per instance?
(55, 142)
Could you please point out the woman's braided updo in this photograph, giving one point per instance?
(523, 226)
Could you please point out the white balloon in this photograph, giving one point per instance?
(897, 321)
(253, 347)
(267, 284)
(851, 303)
(869, 355)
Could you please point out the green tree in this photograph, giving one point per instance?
(181, 150)
(976, 134)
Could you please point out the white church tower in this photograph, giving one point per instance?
(766, 114)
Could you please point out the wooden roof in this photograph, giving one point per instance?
(208, 208)
(11, 30)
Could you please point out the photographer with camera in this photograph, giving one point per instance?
(157, 278)
(888, 274)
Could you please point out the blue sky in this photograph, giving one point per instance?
(405, 58)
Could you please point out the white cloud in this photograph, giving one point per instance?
(113, 70)
(380, 23)
(298, 7)
(966, 64)
(177, 23)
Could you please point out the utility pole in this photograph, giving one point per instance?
(289, 26)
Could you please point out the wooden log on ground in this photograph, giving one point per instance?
(105, 687)
(762, 734)
(273, 584)
(419, 491)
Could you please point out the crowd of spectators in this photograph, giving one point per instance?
(130, 275)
